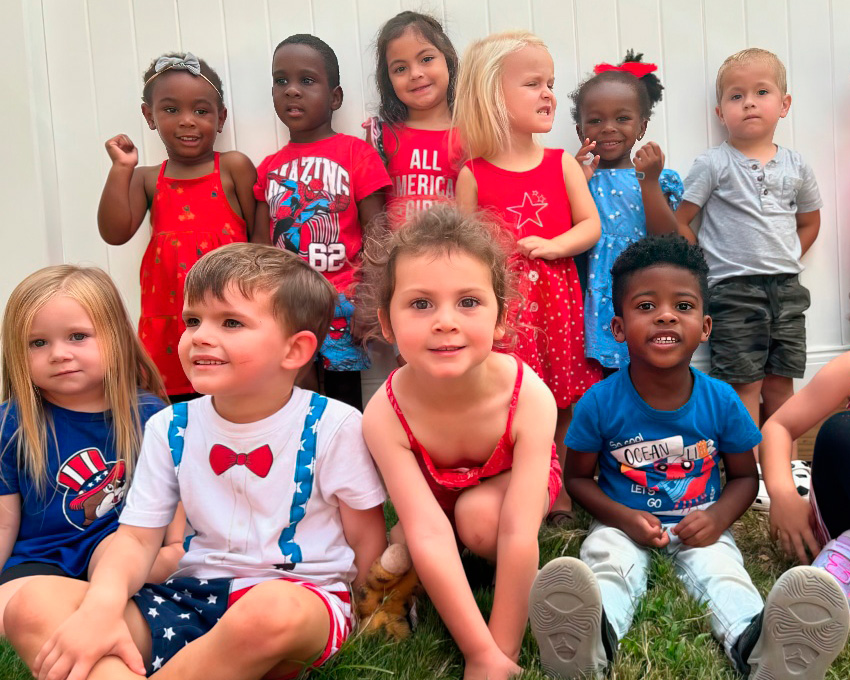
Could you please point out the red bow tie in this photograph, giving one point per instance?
(258, 461)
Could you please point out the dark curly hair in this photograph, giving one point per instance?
(324, 50)
(206, 70)
(392, 109)
(648, 88)
(652, 251)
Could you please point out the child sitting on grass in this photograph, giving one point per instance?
(659, 431)
(278, 487)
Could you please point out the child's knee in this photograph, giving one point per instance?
(38, 607)
(270, 618)
(477, 525)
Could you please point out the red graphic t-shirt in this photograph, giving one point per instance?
(421, 168)
(312, 191)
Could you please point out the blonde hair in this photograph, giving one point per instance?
(747, 56)
(302, 299)
(480, 112)
(127, 366)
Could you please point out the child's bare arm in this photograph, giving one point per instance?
(585, 229)
(641, 526)
(789, 513)
(525, 503)
(10, 523)
(244, 175)
(685, 214)
(703, 527)
(659, 217)
(97, 628)
(368, 210)
(366, 532)
(808, 226)
(427, 529)
(260, 233)
(171, 550)
(124, 201)
(466, 191)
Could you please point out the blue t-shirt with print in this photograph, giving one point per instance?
(664, 462)
(84, 489)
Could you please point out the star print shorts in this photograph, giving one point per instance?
(182, 609)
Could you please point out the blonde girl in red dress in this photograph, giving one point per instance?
(199, 199)
(416, 72)
(505, 98)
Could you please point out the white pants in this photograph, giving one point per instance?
(714, 575)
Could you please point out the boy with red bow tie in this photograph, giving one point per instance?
(278, 485)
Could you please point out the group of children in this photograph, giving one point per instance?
(451, 233)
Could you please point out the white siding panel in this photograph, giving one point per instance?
(75, 129)
(840, 21)
(813, 128)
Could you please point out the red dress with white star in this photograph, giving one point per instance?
(549, 318)
(189, 217)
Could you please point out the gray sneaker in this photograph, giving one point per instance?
(565, 611)
(804, 627)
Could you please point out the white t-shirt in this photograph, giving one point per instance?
(286, 523)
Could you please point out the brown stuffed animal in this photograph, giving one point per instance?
(384, 600)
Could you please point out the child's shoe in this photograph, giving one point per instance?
(801, 630)
(835, 558)
(568, 622)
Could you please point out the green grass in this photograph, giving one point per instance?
(670, 638)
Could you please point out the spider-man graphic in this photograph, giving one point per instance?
(295, 207)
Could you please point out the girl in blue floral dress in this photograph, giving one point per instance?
(634, 196)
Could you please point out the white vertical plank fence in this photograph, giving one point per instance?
(76, 81)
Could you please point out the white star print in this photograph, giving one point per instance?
(153, 613)
(158, 599)
(185, 616)
(311, 465)
(212, 599)
(176, 597)
(203, 582)
(181, 432)
(524, 211)
(157, 663)
(301, 447)
(314, 426)
(168, 634)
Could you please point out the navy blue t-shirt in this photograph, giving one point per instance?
(84, 491)
(664, 462)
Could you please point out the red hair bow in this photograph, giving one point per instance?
(637, 68)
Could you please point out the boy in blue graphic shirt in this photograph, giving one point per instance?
(278, 486)
(659, 431)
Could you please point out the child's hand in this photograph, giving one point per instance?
(649, 160)
(83, 640)
(790, 524)
(698, 529)
(534, 247)
(586, 159)
(645, 528)
(492, 665)
(122, 151)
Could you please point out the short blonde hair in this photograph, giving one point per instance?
(747, 56)
(480, 112)
(302, 299)
(127, 366)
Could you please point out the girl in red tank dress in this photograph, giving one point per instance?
(199, 199)
(462, 435)
(416, 72)
(505, 97)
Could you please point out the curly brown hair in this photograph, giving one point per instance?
(441, 229)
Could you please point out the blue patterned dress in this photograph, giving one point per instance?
(618, 200)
